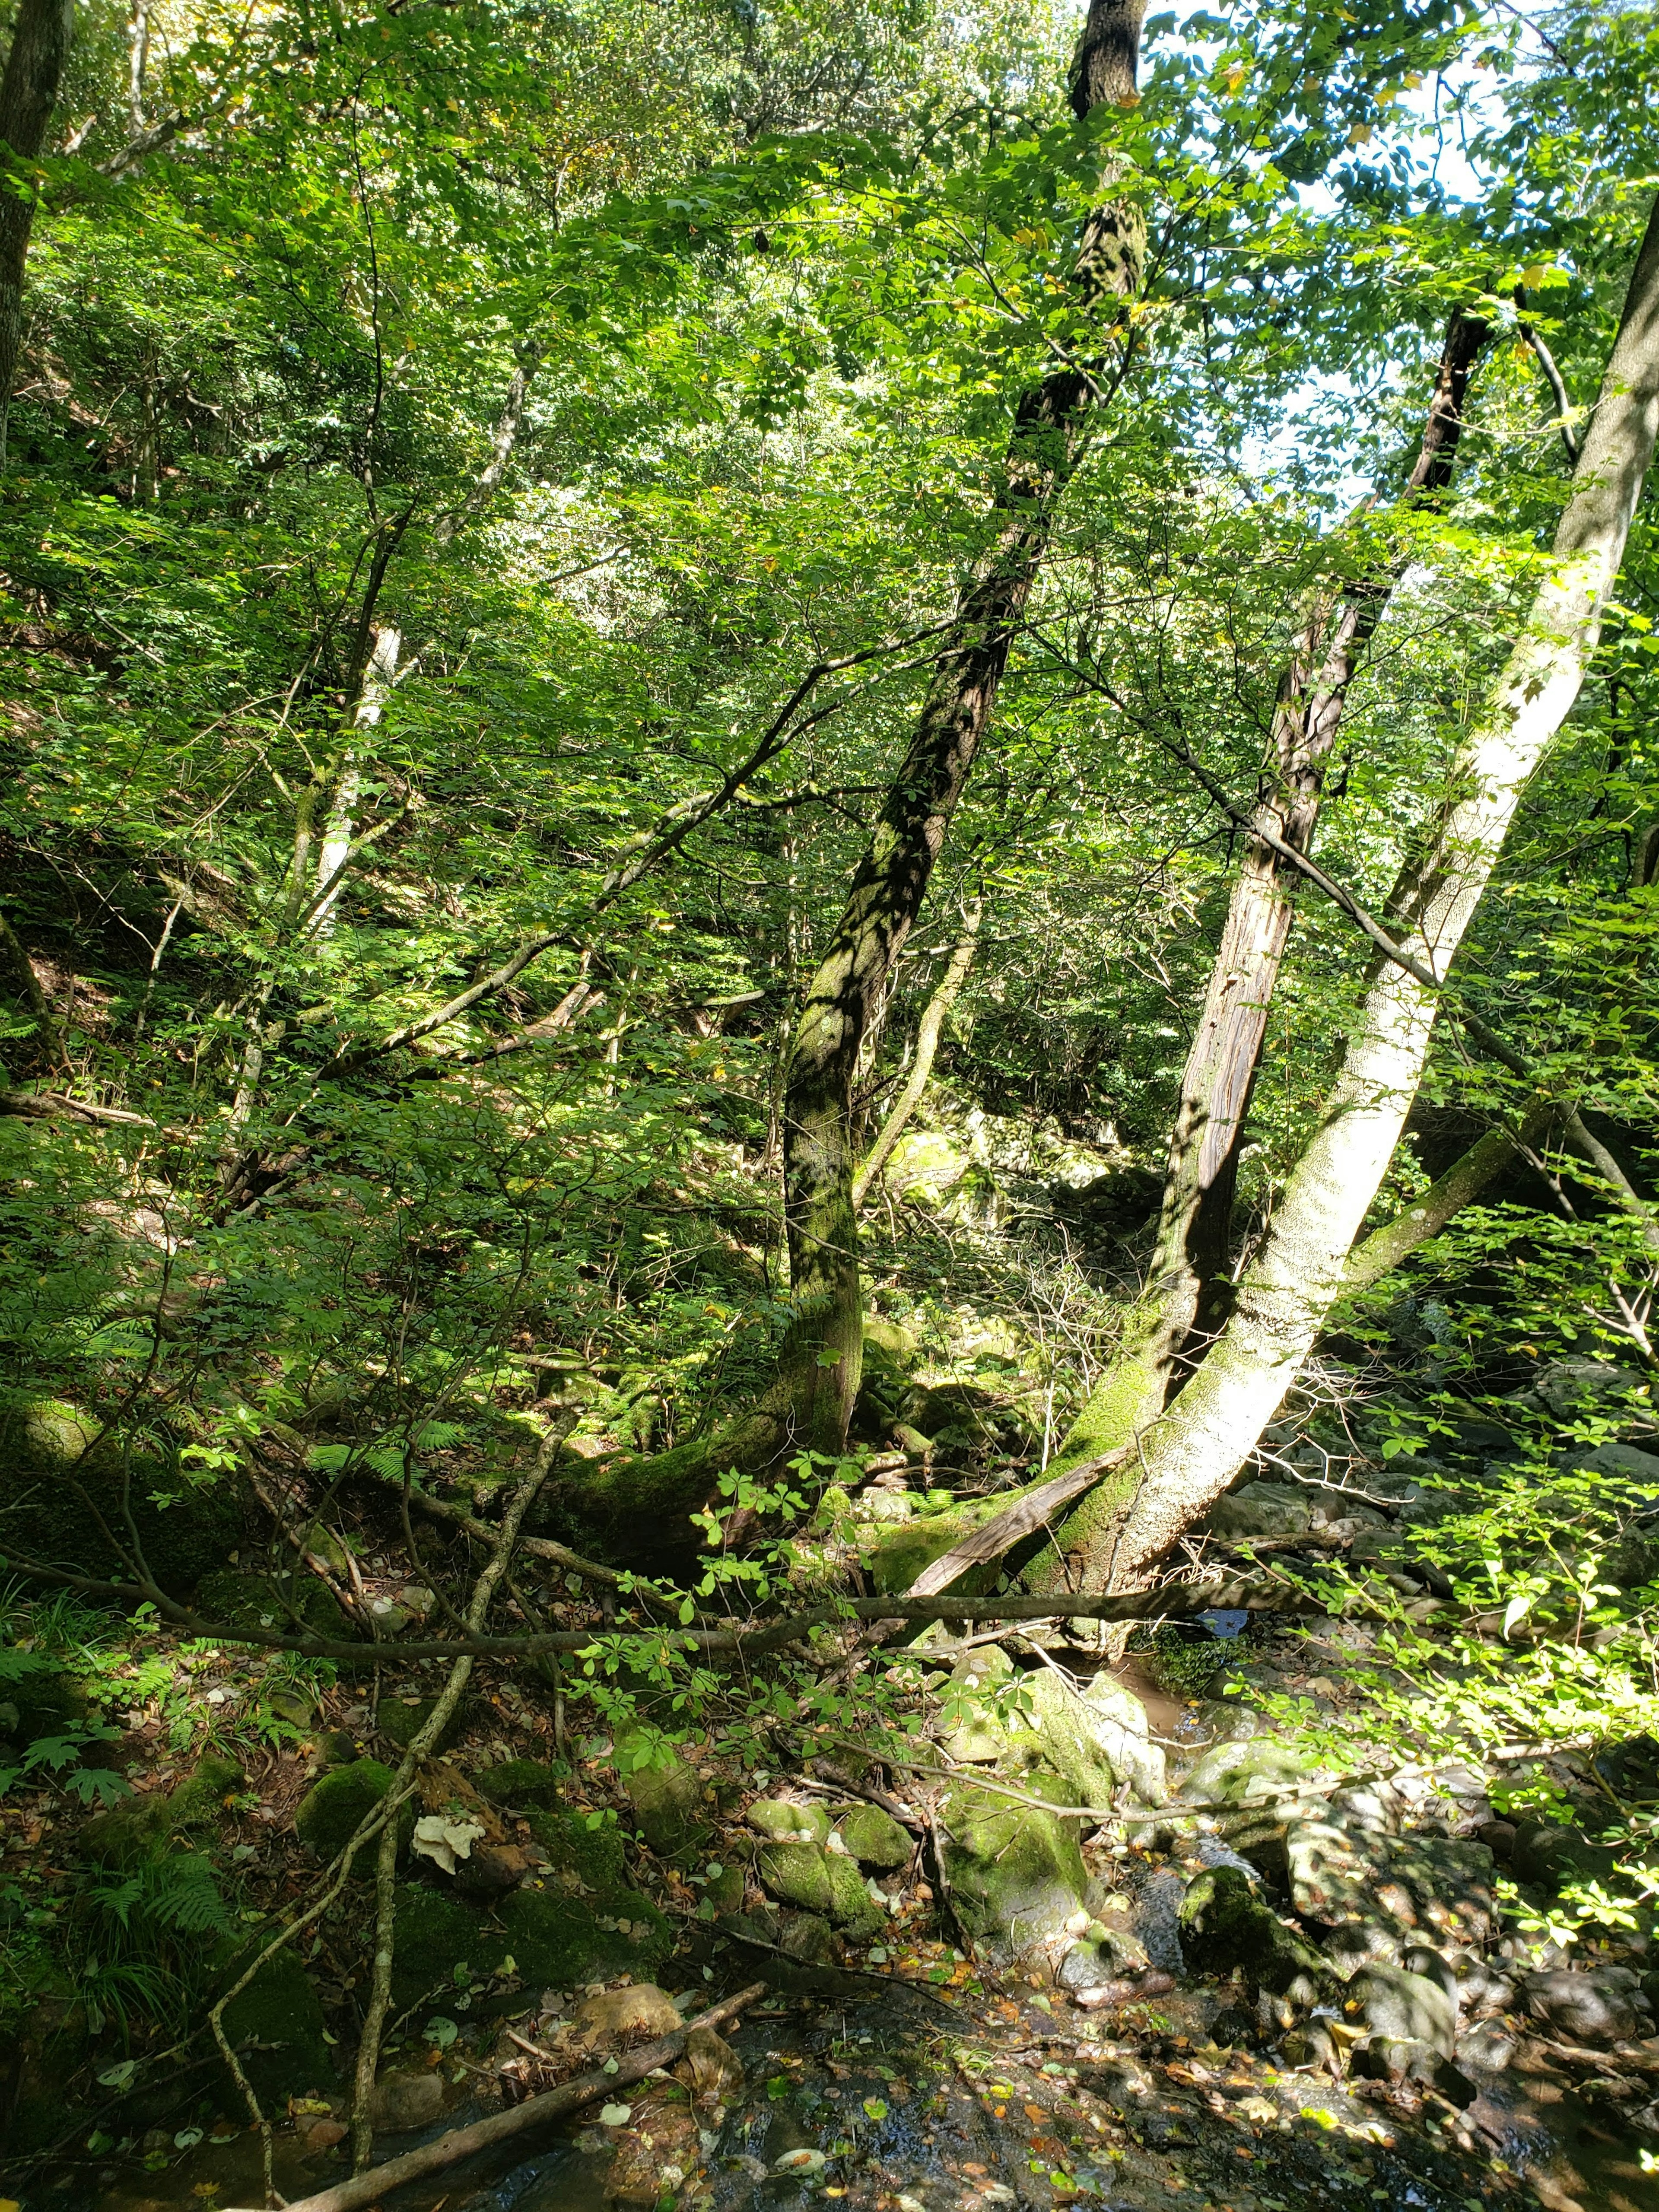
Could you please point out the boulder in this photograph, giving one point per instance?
(1383, 1891)
(1104, 1954)
(411, 2097)
(785, 1823)
(641, 2009)
(1260, 1509)
(873, 1837)
(276, 2026)
(556, 1940)
(1404, 2008)
(588, 1860)
(400, 1720)
(820, 1882)
(519, 1784)
(1605, 2004)
(1623, 1461)
(805, 1937)
(1092, 1743)
(1564, 1385)
(711, 2068)
(1017, 1874)
(140, 1824)
(1252, 1770)
(1547, 1853)
(1223, 1925)
(669, 1801)
(336, 1805)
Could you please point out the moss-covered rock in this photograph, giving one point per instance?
(594, 1856)
(239, 1599)
(797, 1874)
(873, 1837)
(44, 1697)
(331, 1809)
(186, 1523)
(518, 1782)
(1223, 1925)
(400, 1720)
(668, 1800)
(1017, 1876)
(785, 1823)
(724, 1891)
(555, 1939)
(439, 1943)
(852, 1908)
(275, 2028)
(139, 1825)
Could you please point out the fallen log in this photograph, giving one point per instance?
(365, 2189)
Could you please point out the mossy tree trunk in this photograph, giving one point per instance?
(819, 1364)
(40, 38)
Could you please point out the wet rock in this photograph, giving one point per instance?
(324, 2135)
(670, 1806)
(520, 1784)
(336, 1805)
(1604, 2005)
(1387, 2058)
(1404, 2008)
(808, 1938)
(407, 2099)
(1224, 1925)
(711, 2068)
(1233, 2028)
(1260, 1509)
(874, 1838)
(640, 2010)
(785, 1823)
(1381, 1891)
(1017, 1874)
(655, 2151)
(1104, 1954)
(1251, 1770)
(1482, 1988)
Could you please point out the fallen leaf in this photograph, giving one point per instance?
(616, 2116)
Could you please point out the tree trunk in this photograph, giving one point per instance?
(1190, 1453)
(819, 1364)
(28, 92)
(379, 674)
(1187, 1291)
(927, 1037)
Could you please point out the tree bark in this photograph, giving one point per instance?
(28, 93)
(928, 1031)
(1187, 1291)
(1190, 1453)
(819, 1364)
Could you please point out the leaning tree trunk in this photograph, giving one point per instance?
(1187, 1457)
(819, 1364)
(28, 93)
(1187, 1288)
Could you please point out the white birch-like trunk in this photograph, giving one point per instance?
(379, 676)
(1189, 1455)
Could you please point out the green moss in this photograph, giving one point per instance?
(137, 1825)
(594, 1856)
(333, 1808)
(851, 1905)
(401, 1721)
(874, 1838)
(555, 1939)
(248, 1600)
(519, 1782)
(275, 2028)
(797, 1874)
(434, 1935)
(668, 1802)
(1016, 1877)
(895, 1554)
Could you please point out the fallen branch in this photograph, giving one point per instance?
(365, 2189)
(1023, 1518)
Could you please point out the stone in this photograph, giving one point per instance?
(338, 1803)
(641, 2009)
(490, 1870)
(1386, 2058)
(874, 1838)
(1390, 1890)
(590, 1860)
(711, 2068)
(436, 1939)
(852, 1908)
(889, 1347)
(669, 1804)
(819, 1882)
(142, 1824)
(520, 1784)
(1017, 1874)
(786, 1823)
(1404, 2008)
(656, 2150)
(1624, 1462)
(401, 1719)
(408, 2098)
(1547, 1853)
(1092, 1744)
(1104, 1954)
(1564, 1385)
(324, 2135)
(724, 1891)
(1603, 2005)
(805, 1937)
(925, 1166)
(1223, 1925)
(1260, 1509)
(275, 2026)
(1252, 1770)
(556, 1940)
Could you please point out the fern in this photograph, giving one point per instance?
(182, 1895)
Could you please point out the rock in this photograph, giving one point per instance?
(275, 2026)
(1233, 2028)
(1623, 1462)
(1404, 2008)
(655, 2151)
(1600, 2006)
(335, 1806)
(820, 1882)
(1383, 1890)
(1419, 1958)
(925, 1166)
(401, 1719)
(724, 1890)
(588, 1860)
(142, 1824)
(1090, 1743)
(710, 2068)
(1104, 1954)
(786, 1823)
(805, 1937)
(555, 1939)
(1250, 1770)
(1017, 1874)
(519, 1784)
(640, 2010)
(435, 1936)
(889, 1347)
(1224, 1925)
(874, 1838)
(1385, 2058)
(336, 1748)
(408, 2098)
(1498, 1837)
(1482, 1989)
(1545, 1854)
(669, 1803)
(324, 2135)
(491, 1870)
(1260, 1509)
(1565, 1384)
